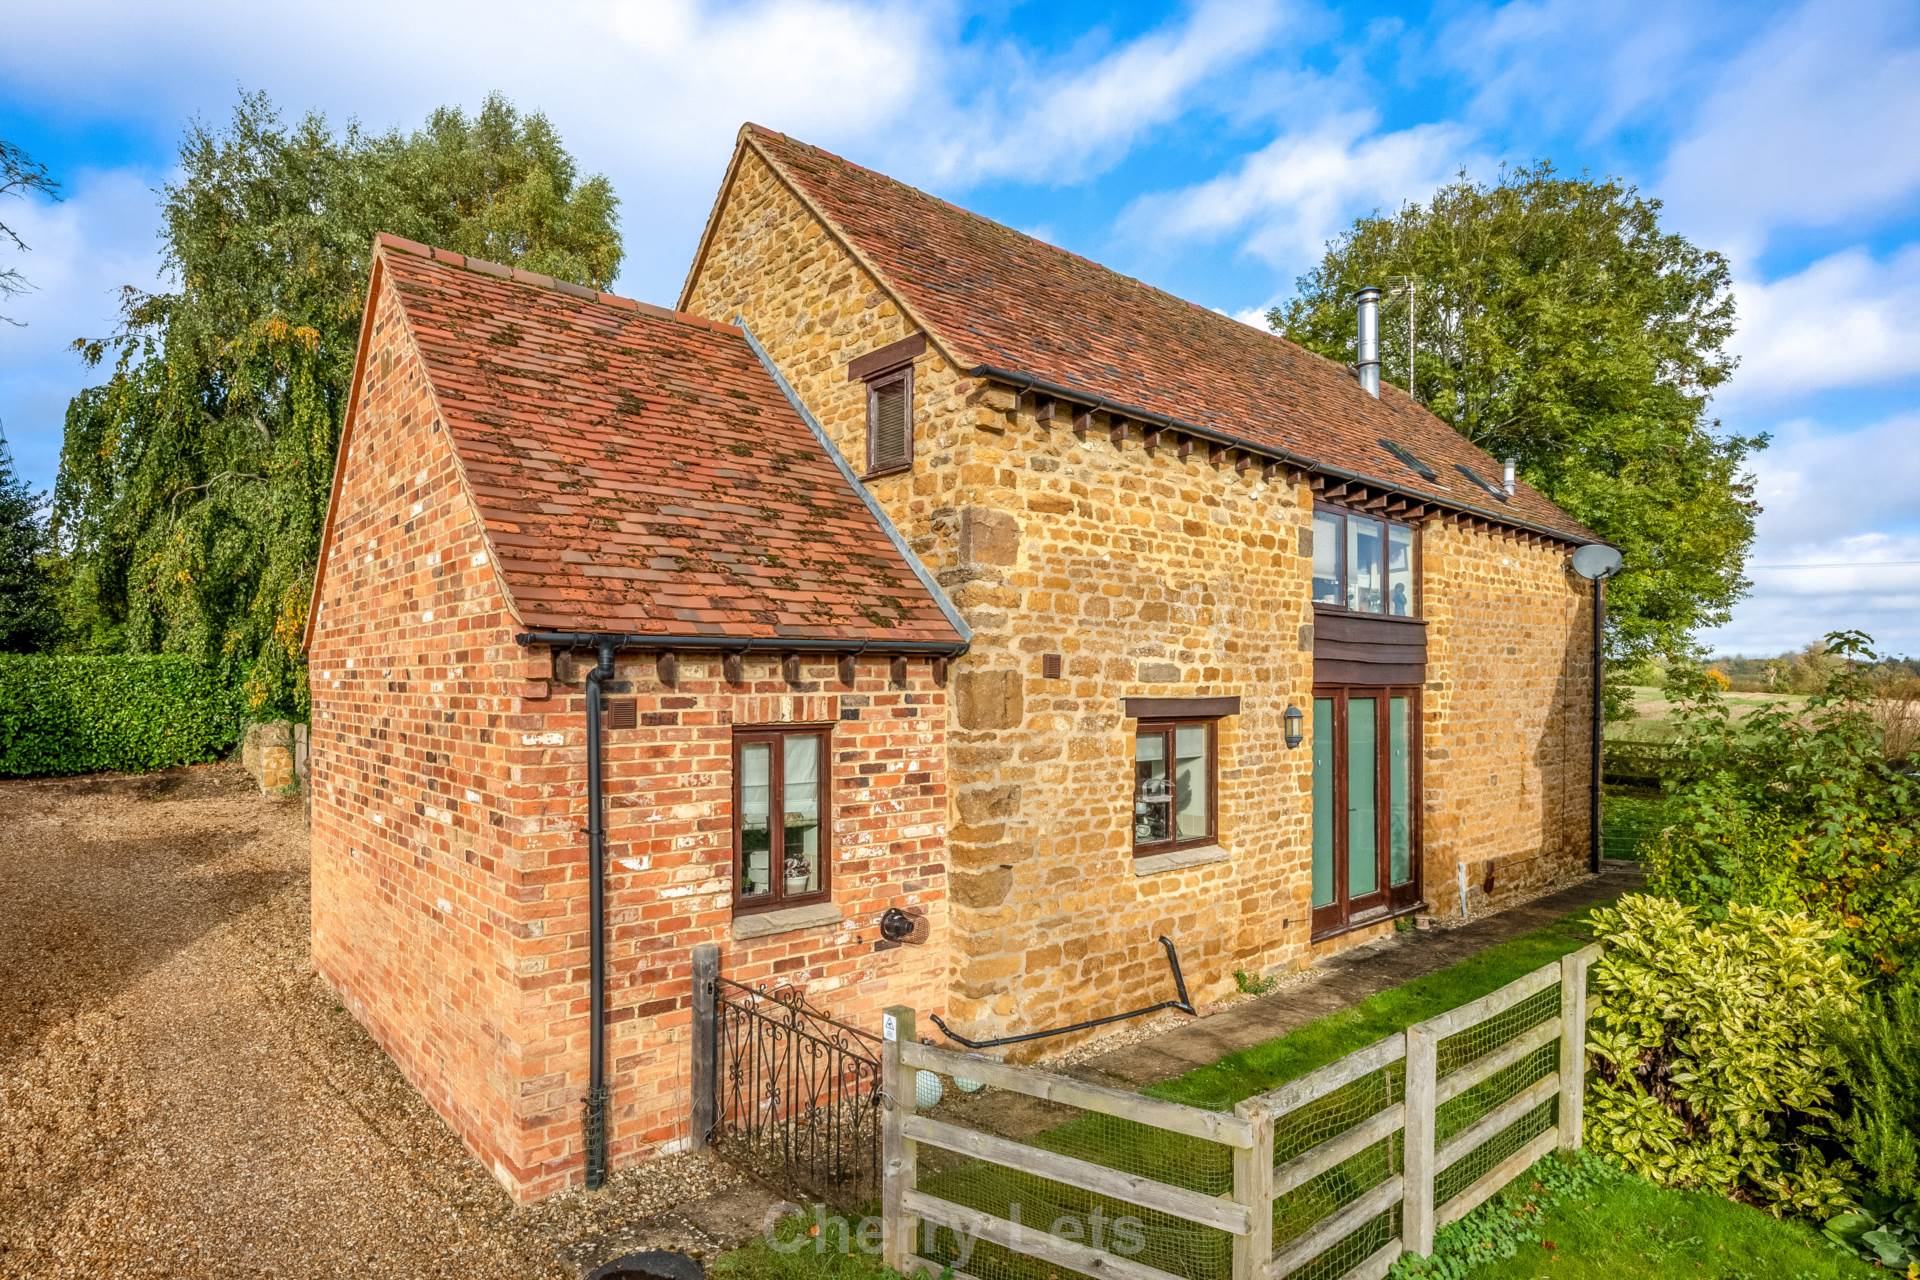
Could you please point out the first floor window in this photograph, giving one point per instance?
(1173, 785)
(1363, 565)
(780, 817)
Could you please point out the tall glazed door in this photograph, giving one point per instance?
(1366, 808)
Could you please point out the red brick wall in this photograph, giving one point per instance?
(670, 851)
(414, 675)
(449, 797)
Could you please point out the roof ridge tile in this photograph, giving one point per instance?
(539, 280)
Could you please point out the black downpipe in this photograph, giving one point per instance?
(596, 1108)
(1599, 716)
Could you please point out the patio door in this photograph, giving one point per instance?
(1366, 805)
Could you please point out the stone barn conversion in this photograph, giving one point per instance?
(1054, 611)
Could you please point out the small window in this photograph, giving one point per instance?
(1174, 804)
(890, 422)
(1364, 564)
(780, 818)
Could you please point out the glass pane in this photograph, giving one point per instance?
(1364, 588)
(1191, 781)
(1322, 801)
(756, 835)
(1399, 571)
(800, 785)
(1399, 794)
(1326, 558)
(1151, 799)
(1363, 845)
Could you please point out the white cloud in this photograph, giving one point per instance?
(1564, 63)
(1810, 126)
(1868, 582)
(1846, 505)
(1291, 196)
(1062, 122)
(82, 251)
(1847, 320)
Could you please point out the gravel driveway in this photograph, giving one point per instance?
(180, 1096)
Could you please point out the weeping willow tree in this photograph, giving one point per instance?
(193, 481)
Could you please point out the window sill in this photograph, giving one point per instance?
(904, 468)
(1179, 859)
(764, 924)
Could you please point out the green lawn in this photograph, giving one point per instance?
(1623, 1226)
(1270, 1065)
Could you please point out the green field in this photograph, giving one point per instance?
(1653, 720)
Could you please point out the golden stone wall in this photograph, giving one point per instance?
(1150, 574)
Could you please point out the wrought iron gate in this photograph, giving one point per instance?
(797, 1095)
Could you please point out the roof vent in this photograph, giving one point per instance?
(1506, 481)
(1368, 366)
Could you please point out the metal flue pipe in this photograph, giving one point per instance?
(1367, 367)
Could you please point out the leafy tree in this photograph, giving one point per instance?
(19, 174)
(193, 483)
(29, 619)
(1559, 325)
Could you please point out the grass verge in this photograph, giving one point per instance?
(1578, 1218)
(1272, 1064)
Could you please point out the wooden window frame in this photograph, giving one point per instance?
(1394, 900)
(902, 374)
(777, 898)
(1168, 729)
(1343, 568)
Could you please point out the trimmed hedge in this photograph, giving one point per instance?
(64, 714)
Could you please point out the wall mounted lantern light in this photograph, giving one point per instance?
(1293, 717)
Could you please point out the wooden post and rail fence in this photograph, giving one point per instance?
(1359, 1162)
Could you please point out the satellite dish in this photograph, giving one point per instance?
(1596, 560)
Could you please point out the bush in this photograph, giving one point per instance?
(67, 714)
(1796, 810)
(1883, 1080)
(1716, 1064)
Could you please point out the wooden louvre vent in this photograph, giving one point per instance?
(890, 422)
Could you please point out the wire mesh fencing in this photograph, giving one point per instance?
(998, 1172)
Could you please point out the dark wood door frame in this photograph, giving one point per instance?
(1387, 899)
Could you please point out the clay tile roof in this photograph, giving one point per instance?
(995, 299)
(640, 471)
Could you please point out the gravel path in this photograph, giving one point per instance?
(180, 1096)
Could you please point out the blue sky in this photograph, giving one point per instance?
(1209, 148)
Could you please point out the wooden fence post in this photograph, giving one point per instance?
(1573, 1045)
(900, 1233)
(706, 1047)
(1253, 1187)
(1416, 1214)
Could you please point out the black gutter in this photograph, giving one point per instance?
(742, 644)
(596, 1113)
(1025, 382)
